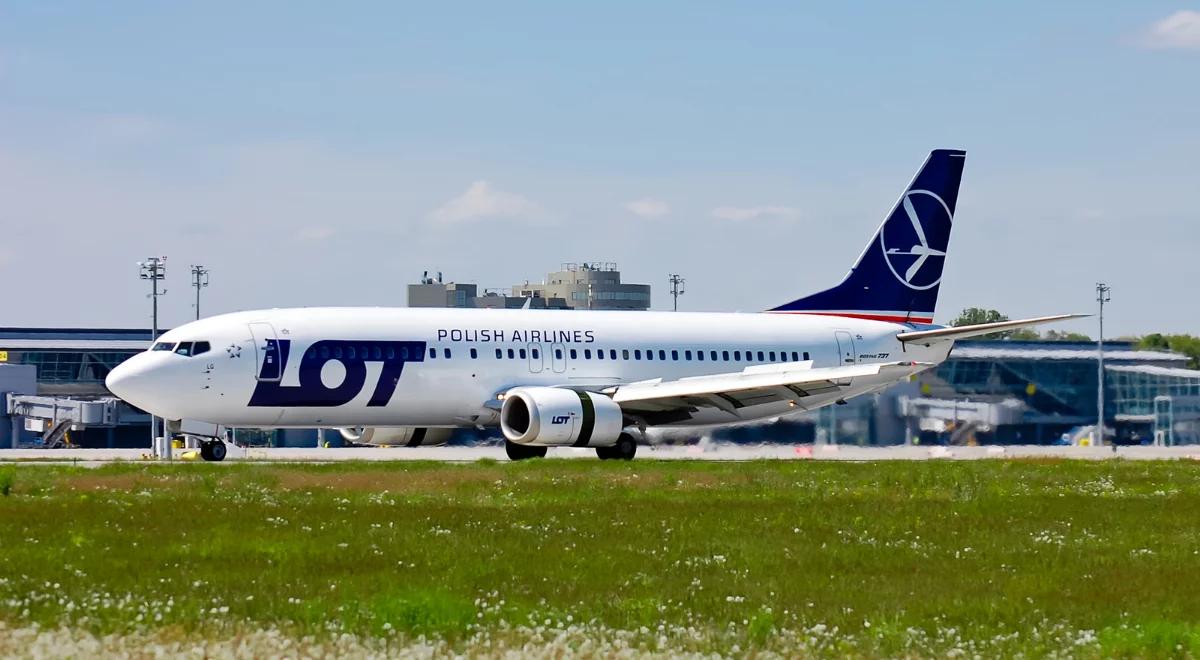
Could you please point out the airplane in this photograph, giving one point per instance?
(558, 378)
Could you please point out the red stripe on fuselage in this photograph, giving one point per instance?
(868, 317)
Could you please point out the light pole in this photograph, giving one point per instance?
(199, 280)
(1103, 295)
(676, 288)
(153, 269)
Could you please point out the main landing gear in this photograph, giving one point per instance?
(625, 449)
(212, 450)
(518, 452)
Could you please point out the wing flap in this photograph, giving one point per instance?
(730, 392)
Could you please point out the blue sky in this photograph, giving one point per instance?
(312, 154)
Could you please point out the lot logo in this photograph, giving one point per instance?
(920, 241)
(560, 419)
(353, 356)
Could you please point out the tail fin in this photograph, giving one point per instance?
(897, 276)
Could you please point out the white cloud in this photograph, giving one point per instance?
(648, 208)
(315, 233)
(1179, 31)
(482, 200)
(744, 213)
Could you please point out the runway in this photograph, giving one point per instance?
(715, 452)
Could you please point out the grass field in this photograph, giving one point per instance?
(600, 558)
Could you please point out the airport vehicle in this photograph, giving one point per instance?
(551, 378)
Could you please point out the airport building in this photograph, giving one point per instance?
(52, 387)
(1027, 392)
(589, 285)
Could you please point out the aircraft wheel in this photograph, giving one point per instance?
(518, 452)
(606, 453)
(213, 450)
(626, 447)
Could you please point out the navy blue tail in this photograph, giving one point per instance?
(897, 277)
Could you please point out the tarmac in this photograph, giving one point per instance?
(710, 452)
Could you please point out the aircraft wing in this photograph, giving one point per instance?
(794, 381)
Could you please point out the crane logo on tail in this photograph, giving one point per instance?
(906, 247)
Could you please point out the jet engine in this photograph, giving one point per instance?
(398, 436)
(556, 417)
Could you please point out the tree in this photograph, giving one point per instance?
(1186, 344)
(978, 315)
(1066, 335)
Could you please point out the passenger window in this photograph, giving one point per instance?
(712, 355)
(725, 356)
(403, 352)
(163, 346)
(350, 353)
(760, 357)
(700, 355)
(599, 353)
(521, 352)
(795, 357)
(324, 352)
(675, 355)
(499, 354)
(446, 353)
(625, 354)
(737, 355)
(587, 353)
(574, 354)
(537, 355)
(391, 353)
(772, 356)
(806, 359)
(474, 354)
(184, 348)
(432, 353)
(510, 354)
(612, 353)
(637, 353)
(649, 354)
(376, 354)
(662, 355)
(201, 347)
(337, 352)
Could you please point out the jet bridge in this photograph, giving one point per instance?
(53, 418)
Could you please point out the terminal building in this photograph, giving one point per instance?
(588, 285)
(52, 387)
(1026, 392)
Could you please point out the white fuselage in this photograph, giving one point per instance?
(361, 367)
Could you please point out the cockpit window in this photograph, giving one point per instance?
(184, 348)
(163, 346)
(200, 347)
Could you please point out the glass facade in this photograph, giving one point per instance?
(1134, 389)
(69, 367)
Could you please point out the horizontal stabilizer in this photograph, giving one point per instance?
(965, 331)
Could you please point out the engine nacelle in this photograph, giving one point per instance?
(398, 436)
(556, 417)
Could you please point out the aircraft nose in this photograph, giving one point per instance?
(130, 381)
